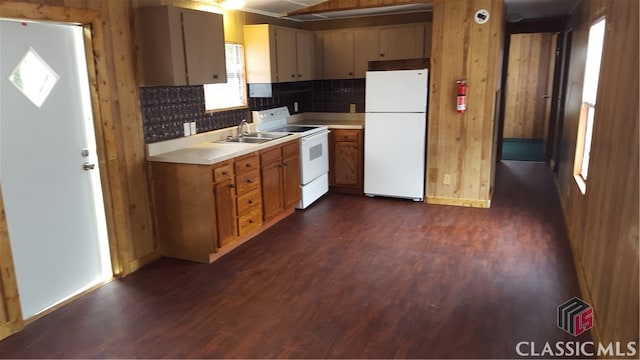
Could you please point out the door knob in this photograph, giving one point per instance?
(88, 166)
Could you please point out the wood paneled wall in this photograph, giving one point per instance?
(118, 124)
(10, 312)
(603, 223)
(528, 81)
(460, 147)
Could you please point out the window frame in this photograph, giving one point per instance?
(586, 120)
(243, 84)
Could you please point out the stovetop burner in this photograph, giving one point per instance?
(275, 120)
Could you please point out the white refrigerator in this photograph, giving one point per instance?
(395, 133)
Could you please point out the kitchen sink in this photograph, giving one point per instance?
(253, 138)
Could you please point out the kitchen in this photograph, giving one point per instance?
(124, 112)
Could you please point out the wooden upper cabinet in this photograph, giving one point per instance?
(305, 54)
(180, 46)
(366, 48)
(347, 52)
(402, 42)
(275, 54)
(337, 54)
(286, 55)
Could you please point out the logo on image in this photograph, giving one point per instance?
(575, 316)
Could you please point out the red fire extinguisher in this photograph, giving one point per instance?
(462, 96)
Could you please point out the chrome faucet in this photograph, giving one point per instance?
(243, 124)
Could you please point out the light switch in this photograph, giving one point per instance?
(187, 129)
(193, 128)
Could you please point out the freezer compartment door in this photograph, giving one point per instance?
(396, 91)
(394, 155)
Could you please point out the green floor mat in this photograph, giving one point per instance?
(523, 149)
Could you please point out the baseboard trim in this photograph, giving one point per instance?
(437, 200)
(145, 260)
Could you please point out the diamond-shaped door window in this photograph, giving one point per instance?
(34, 78)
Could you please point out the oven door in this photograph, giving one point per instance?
(314, 156)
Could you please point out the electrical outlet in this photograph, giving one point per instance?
(352, 108)
(187, 129)
(447, 179)
(193, 128)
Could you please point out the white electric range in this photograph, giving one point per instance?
(314, 151)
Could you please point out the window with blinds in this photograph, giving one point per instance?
(231, 94)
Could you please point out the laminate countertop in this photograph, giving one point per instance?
(203, 149)
(332, 120)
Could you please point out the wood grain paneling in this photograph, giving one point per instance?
(526, 110)
(603, 223)
(461, 145)
(10, 311)
(118, 123)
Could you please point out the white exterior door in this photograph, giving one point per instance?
(53, 204)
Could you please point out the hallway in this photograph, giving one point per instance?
(351, 277)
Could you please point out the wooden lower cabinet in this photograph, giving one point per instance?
(185, 210)
(346, 161)
(249, 194)
(204, 211)
(225, 199)
(280, 168)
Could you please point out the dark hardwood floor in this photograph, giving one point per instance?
(351, 277)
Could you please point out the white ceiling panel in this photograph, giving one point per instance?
(516, 9)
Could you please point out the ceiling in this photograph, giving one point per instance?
(516, 9)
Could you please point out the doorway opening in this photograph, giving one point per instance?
(529, 89)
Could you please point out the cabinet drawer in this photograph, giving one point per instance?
(290, 149)
(346, 135)
(250, 222)
(222, 172)
(248, 181)
(249, 202)
(270, 156)
(247, 163)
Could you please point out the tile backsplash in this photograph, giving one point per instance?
(166, 108)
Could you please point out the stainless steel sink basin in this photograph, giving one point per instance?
(266, 135)
(244, 139)
(253, 138)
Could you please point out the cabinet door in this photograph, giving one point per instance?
(286, 54)
(226, 212)
(337, 48)
(203, 34)
(347, 163)
(405, 42)
(271, 190)
(260, 53)
(291, 181)
(305, 49)
(366, 43)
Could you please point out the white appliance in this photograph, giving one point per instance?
(395, 133)
(314, 151)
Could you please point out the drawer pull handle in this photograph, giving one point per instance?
(250, 201)
(251, 221)
(232, 185)
(225, 173)
(284, 164)
(248, 165)
(250, 181)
